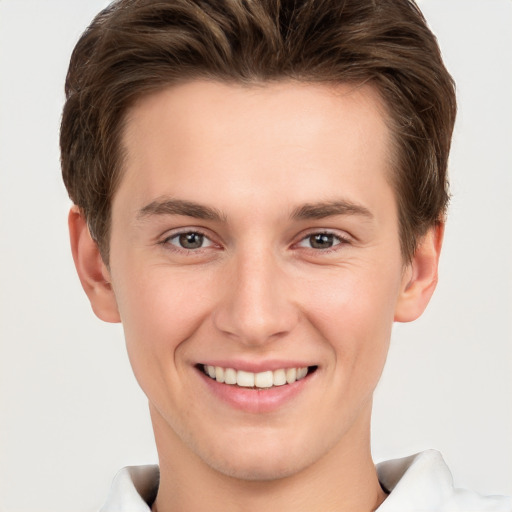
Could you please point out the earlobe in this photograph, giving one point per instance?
(91, 269)
(420, 276)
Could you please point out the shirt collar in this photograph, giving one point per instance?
(134, 489)
(417, 482)
(421, 482)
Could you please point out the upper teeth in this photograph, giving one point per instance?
(256, 380)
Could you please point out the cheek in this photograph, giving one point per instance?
(353, 311)
(352, 299)
(160, 309)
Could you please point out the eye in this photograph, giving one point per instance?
(190, 240)
(321, 241)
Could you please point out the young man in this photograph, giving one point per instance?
(260, 190)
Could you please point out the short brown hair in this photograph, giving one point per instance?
(135, 47)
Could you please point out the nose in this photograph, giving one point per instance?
(257, 303)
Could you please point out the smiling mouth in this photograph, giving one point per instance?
(261, 380)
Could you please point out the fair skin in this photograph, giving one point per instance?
(255, 229)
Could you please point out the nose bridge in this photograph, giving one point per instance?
(257, 307)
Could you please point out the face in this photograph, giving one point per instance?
(255, 264)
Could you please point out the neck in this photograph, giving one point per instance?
(343, 479)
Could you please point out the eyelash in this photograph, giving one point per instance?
(167, 242)
(340, 241)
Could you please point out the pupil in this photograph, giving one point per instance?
(321, 241)
(191, 240)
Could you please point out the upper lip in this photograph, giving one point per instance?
(257, 366)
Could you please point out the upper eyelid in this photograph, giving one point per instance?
(342, 235)
(172, 233)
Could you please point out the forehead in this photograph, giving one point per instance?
(298, 138)
(293, 108)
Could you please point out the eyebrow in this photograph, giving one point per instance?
(321, 210)
(167, 206)
(329, 209)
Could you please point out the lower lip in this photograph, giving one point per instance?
(256, 400)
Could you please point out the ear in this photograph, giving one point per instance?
(92, 271)
(420, 276)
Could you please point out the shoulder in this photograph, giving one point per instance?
(423, 482)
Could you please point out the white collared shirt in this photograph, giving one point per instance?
(419, 483)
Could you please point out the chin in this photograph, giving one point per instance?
(260, 461)
(268, 469)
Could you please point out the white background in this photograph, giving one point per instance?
(71, 413)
